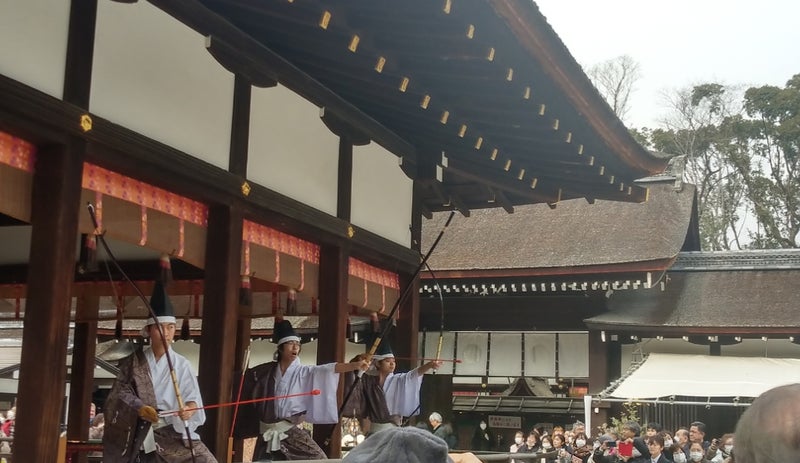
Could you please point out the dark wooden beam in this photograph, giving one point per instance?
(344, 188)
(220, 317)
(240, 127)
(82, 373)
(333, 265)
(342, 128)
(599, 375)
(80, 52)
(241, 66)
(501, 199)
(54, 218)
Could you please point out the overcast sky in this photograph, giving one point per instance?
(682, 42)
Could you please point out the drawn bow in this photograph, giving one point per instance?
(398, 302)
(101, 236)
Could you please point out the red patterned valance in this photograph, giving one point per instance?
(118, 186)
(17, 152)
(373, 274)
(371, 288)
(284, 243)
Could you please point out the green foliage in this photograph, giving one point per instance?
(743, 155)
(629, 412)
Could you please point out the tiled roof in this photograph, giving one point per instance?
(574, 234)
(723, 300)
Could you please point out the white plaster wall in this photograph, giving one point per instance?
(573, 355)
(381, 194)
(153, 75)
(431, 343)
(33, 43)
(471, 349)
(540, 354)
(291, 151)
(505, 356)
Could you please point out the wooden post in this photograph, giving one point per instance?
(54, 219)
(220, 315)
(82, 377)
(333, 276)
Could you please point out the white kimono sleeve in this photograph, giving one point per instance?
(402, 393)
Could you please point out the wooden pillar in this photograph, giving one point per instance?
(614, 365)
(77, 90)
(406, 333)
(332, 331)
(714, 349)
(220, 315)
(54, 219)
(599, 373)
(82, 376)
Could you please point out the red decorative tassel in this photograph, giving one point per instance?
(376, 323)
(166, 268)
(245, 292)
(88, 256)
(186, 332)
(291, 302)
(276, 309)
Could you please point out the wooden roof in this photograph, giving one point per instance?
(481, 93)
(747, 292)
(575, 237)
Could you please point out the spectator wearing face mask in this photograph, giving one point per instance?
(697, 454)
(668, 443)
(547, 444)
(519, 441)
(582, 448)
(716, 452)
(482, 437)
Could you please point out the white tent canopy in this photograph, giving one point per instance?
(665, 375)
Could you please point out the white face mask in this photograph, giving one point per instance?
(679, 457)
(728, 448)
(667, 443)
(696, 456)
(546, 446)
(580, 442)
(483, 425)
(519, 440)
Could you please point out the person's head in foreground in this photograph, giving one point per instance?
(404, 445)
(769, 431)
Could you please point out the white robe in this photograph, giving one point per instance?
(319, 409)
(402, 393)
(165, 391)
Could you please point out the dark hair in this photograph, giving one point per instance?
(658, 439)
(281, 347)
(633, 426)
(656, 426)
(699, 425)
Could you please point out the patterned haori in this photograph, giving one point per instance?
(143, 380)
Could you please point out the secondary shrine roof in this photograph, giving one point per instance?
(574, 237)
